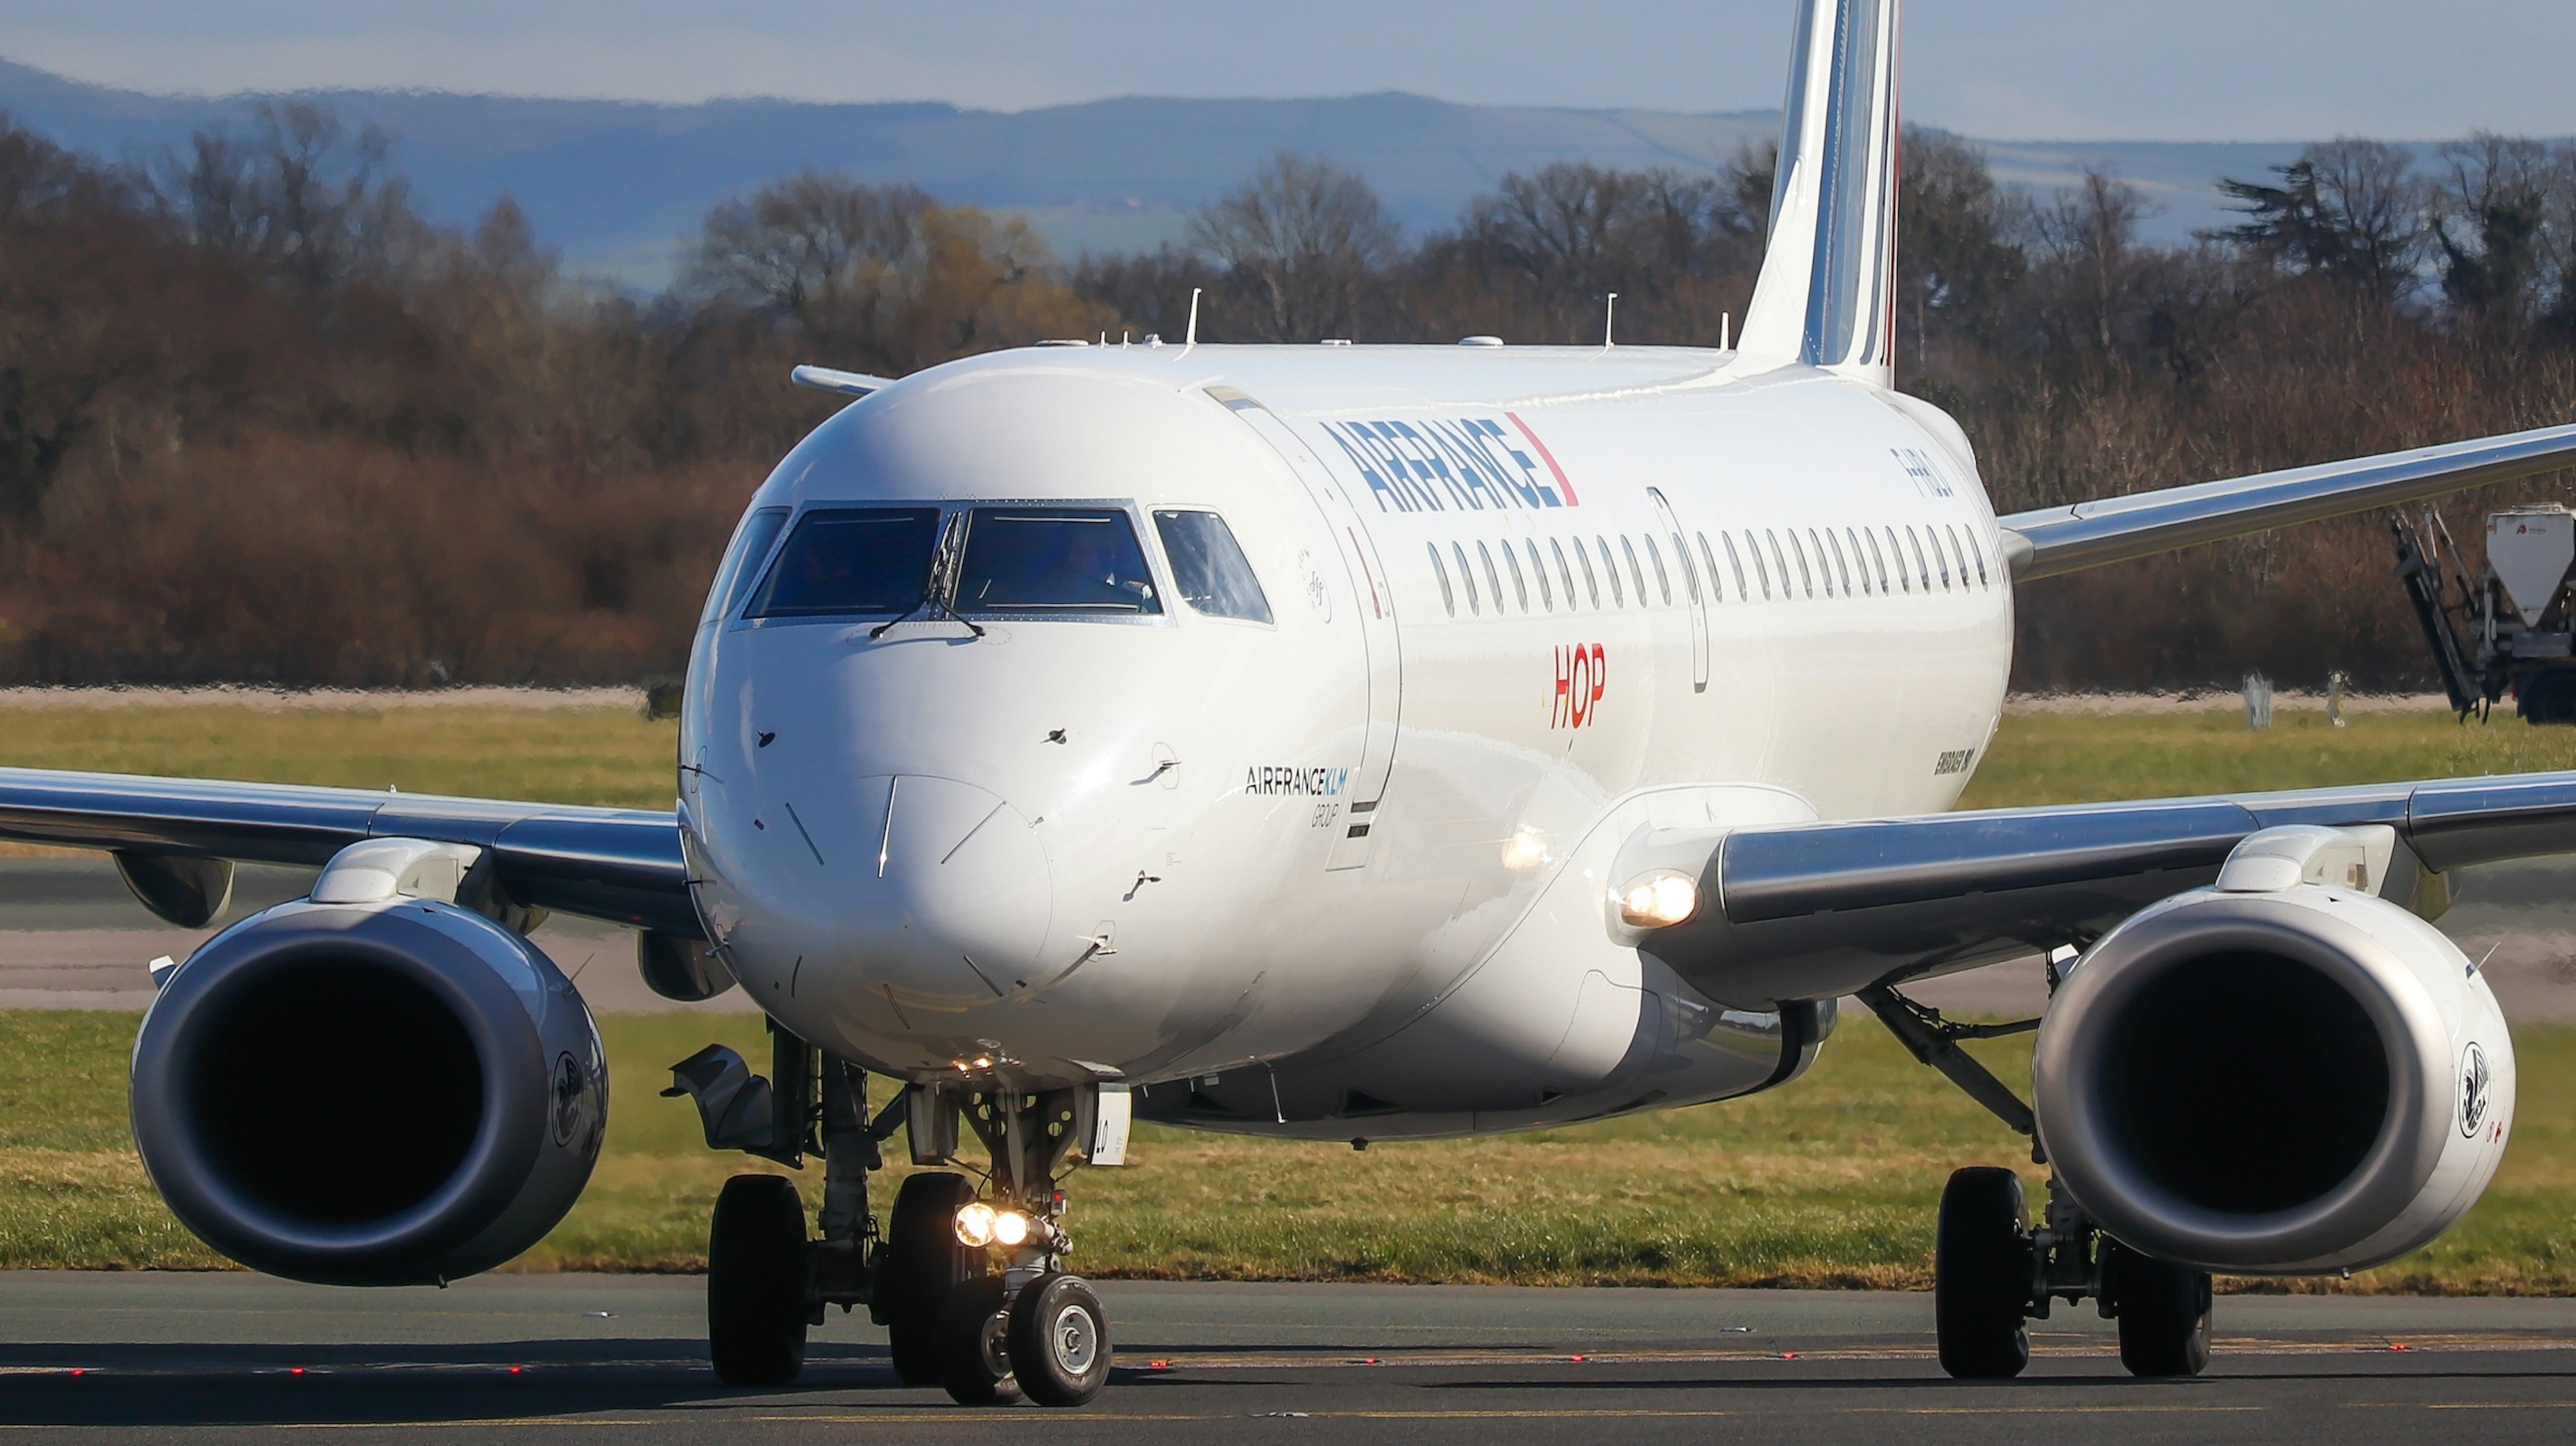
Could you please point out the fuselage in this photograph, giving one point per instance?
(1339, 845)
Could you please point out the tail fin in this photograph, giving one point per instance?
(1826, 293)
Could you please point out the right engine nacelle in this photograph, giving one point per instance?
(2287, 1082)
(392, 1092)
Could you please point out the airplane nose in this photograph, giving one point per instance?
(953, 897)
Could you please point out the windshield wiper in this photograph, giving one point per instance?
(936, 599)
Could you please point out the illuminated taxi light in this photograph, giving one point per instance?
(1010, 1227)
(1658, 902)
(976, 1222)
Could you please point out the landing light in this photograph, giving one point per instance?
(976, 1222)
(1658, 901)
(1010, 1227)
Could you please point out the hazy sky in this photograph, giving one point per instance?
(2010, 69)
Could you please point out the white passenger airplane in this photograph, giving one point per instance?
(1367, 743)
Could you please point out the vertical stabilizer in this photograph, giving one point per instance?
(1826, 293)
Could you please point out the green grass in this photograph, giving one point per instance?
(1830, 1181)
(2072, 758)
(557, 755)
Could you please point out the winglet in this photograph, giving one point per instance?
(848, 384)
(1825, 297)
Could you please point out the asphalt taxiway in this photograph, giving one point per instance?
(222, 1357)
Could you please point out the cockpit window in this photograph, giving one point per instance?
(742, 561)
(1060, 561)
(1209, 567)
(852, 560)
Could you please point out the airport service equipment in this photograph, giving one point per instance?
(2509, 627)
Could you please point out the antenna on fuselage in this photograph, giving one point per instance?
(1191, 337)
(1724, 320)
(1609, 318)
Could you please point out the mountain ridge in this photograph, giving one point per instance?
(619, 185)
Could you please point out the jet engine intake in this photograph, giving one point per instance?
(2278, 1078)
(389, 1092)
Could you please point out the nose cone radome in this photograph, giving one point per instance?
(949, 901)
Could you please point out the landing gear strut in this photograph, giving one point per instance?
(968, 1283)
(1992, 1272)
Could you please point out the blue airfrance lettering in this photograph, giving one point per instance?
(1296, 782)
(1451, 464)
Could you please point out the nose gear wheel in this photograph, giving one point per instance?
(1059, 1340)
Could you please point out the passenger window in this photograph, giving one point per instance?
(1716, 584)
(1209, 568)
(1493, 579)
(1977, 550)
(1804, 575)
(742, 560)
(1467, 579)
(852, 560)
(1055, 561)
(1637, 574)
(1957, 552)
(1663, 579)
(1761, 565)
(1618, 590)
(1448, 599)
(1520, 582)
(1842, 569)
(1860, 559)
(1566, 573)
(1877, 559)
(1591, 583)
(1922, 567)
(1546, 594)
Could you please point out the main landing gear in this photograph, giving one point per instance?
(1992, 1272)
(969, 1283)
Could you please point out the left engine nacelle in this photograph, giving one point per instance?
(390, 1093)
(2274, 1081)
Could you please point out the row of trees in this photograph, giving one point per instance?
(260, 420)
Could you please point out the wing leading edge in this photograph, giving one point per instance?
(605, 863)
(1817, 910)
(2047, 541)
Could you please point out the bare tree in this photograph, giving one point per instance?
(308, 204)
(833, 256)
(1303, 242)
(2490, 211)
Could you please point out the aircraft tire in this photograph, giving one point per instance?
(756, 1308)
(1981, 1266)
(2163, 1309)
(974, 1356)
(918, 1267)
(1059, 1340)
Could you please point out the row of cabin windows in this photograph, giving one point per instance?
(1846, 563)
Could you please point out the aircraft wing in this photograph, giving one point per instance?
(605, 863)
(2050, 540)
(1813, 911)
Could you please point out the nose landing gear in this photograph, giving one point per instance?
(970, 1288)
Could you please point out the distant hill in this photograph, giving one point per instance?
(616, 184)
